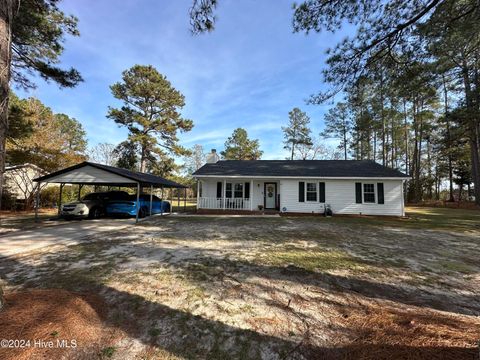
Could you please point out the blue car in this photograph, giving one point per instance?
(129, 207)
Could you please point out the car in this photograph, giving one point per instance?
(92, 206)
(129, 207)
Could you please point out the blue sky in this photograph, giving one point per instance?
(250, 72)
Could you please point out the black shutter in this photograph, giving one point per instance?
(381, 199)
(358, 193)
(301, 191)
(219, 189)
(321, 189)
(247, 190)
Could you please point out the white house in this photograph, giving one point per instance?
(300, 186)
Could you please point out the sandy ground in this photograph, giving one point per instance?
(60, 233)
(273, 288)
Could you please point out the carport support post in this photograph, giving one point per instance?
(178, 199)
(80, 186)
(151, 197)
(37, 202)
(60, 198)
(138, 202)
(185, 200)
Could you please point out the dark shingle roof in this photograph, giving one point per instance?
(136, 177)
(295, 168)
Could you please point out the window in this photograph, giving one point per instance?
(369, 193)
(234, 190)
(311, 191)
(238, 193)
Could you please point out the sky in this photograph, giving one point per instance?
(250, 72)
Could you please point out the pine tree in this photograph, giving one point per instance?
(151, 113)
(338, 125)
(240, 147)
(297, 131)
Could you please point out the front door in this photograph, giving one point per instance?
(270, 195)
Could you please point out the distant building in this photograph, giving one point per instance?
(18, 182)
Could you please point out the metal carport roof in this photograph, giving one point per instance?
(92, 173)
(89, 173)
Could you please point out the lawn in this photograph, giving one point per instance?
(198, 287)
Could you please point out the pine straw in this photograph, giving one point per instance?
(387, 333)
(52, 315)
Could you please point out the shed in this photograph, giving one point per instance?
(89, 173)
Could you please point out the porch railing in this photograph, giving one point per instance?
(218, 203)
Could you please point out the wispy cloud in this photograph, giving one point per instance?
(250, 72)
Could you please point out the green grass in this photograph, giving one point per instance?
(423, 218)
(313, 260)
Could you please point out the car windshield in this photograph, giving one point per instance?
(91, 196)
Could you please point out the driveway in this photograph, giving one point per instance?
(68, 233)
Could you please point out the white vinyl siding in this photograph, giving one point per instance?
(340, 195)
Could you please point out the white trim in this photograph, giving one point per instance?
(299, 177)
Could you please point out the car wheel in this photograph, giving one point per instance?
(94, 213)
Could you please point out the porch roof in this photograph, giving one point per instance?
(298, 168)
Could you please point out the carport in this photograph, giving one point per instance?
(88, 173)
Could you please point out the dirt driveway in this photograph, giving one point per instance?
(63, 233)
(276, 288)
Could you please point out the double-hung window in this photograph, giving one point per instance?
(369, 193)
(238, 190)
(311, 191)
(228, 190)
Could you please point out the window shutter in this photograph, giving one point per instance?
(358, 193)
(219, 189)
(380, 195)
(301, 191)
(321, 190)
(247, 190)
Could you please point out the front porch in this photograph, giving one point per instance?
(238, 195)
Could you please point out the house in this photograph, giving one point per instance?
(300, 186)
(18, 180)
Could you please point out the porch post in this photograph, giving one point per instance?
(138, 202)
(37, 205)
(251, 195)
(224, 192)
(198, 194)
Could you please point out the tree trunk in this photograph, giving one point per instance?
(6, 15)
(384, 158)
(473, 131)
(449, 143)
